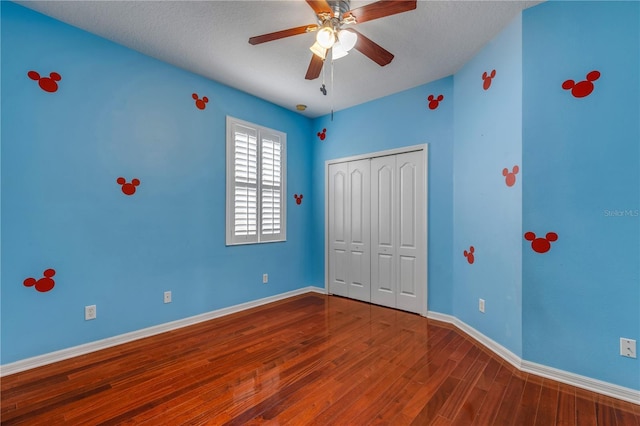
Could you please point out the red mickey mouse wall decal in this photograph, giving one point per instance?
(541, 245)
(200, 103)
(434, 102)
(469, 255)
(298, 198)
(510, 177)
(43, 284)
(487, 79)
(48, 84)
(582, 88)
(322, 134)
(128, 188)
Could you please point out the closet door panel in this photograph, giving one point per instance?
(356, 182)
(383, 231)
(340, 270)
(384, 205)
(407, 279)
(385, 273)
(338, 229)
(359, 216)
(406, 205)
(411, 241)
(358, 276)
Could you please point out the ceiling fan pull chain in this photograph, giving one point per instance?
(323, 88)
(331, 86)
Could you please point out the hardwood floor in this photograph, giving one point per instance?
(311, 359)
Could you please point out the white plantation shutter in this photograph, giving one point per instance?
(255, 183)
(246, 211)
(245, 195)
(271, 196)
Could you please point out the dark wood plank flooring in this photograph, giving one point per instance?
(308, 360)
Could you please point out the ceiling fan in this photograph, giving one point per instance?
(332, 16)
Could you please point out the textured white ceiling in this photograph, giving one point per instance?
(210, 38)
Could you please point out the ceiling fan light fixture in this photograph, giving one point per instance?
(338, 51)
(326, 36)
(347, 39)
(318, 50)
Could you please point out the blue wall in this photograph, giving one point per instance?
(399, 120)
(119, 113)
(488, 212)
(581, 179)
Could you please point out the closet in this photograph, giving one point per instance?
(376, 228)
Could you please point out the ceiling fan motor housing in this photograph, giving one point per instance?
(340, 7)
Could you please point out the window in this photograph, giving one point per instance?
(256, 183)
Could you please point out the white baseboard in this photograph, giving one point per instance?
(496, 347)
(594, 385)
(583, 382)
(49, 358)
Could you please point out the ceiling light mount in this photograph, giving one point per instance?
(330, 35)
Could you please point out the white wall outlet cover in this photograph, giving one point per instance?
(628, 347)
(90, 312)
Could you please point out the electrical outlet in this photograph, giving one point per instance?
(90, 312)
(265, 278)
(481, 305)
(628, 347)
(167, 297)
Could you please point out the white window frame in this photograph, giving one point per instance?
(260, 184)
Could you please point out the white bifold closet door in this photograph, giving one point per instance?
(398, 260)
(349, 230)
(376, 230)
